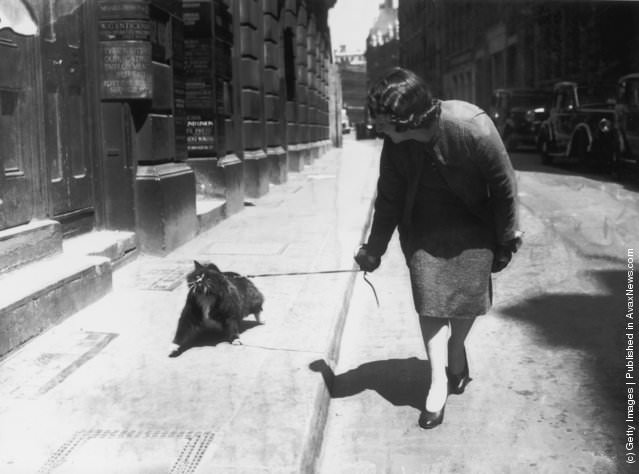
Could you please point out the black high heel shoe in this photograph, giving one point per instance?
(431, 419)
(457, 382)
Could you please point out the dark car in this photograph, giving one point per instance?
(518, 114)
(581, 126)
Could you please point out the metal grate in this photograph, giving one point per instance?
(186, 462)
(161, 276)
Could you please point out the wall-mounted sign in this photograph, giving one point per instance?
(200, 136)
(123, 9)
(198, 58)
(126, 70)
(113, 30)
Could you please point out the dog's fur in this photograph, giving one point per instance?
(216, 301)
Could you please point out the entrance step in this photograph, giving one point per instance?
(39, 295)
(27, 243)
(210, 211)
(118, 246)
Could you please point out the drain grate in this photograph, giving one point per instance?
(187, 459)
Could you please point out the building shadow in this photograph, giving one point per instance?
(594, 324)
(402, 382)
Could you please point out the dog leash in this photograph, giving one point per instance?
(320, 272)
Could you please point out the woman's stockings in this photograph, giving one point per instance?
(435, 335)
(459, 329)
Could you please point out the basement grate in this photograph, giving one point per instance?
(161, 276)
(184, 458)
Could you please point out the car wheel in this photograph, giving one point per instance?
(546, 159)
(580, 151)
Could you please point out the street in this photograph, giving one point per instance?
(187, 192)
(547, 362)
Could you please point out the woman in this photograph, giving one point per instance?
(447, 184)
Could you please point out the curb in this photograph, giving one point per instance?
(314, 438)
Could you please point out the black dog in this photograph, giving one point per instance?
(216, 301)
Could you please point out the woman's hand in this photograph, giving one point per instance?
(502, 258)
(504, 253)
(366, 261)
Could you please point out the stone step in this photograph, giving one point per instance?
(27, 243)
(210, 211)
(118, 246)
(39, 295)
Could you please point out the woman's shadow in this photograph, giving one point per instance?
(403, 382)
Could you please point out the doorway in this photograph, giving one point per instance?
(67, 121)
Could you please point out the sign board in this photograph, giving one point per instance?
(126, 70)
(114, 30)
(200, 136)
(117, 9)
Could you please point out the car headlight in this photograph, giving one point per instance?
(605, 125)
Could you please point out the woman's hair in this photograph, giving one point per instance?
(404, 96)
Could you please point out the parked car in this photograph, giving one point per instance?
(346, 123)
(518, 114)
(626, 153)
(580, 127)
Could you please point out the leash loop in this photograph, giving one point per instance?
(372, 288)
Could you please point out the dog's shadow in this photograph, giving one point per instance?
(212, 338)
(402, 382)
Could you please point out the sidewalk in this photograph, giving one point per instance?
(99, 394)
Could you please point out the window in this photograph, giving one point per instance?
(289, 63)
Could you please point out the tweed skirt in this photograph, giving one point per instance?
(458, 286)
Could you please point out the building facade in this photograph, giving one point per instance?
(352, 70)
(382, 43)
(149, 121)
(124, 114)
(466, 49)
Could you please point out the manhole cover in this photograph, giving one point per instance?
(35, 371)
(130, 451)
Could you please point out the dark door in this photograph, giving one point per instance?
(117, 167)
(67, 121)
(17, 133)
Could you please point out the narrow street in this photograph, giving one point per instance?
(98, 392)
(157, 156)
(547, 362)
